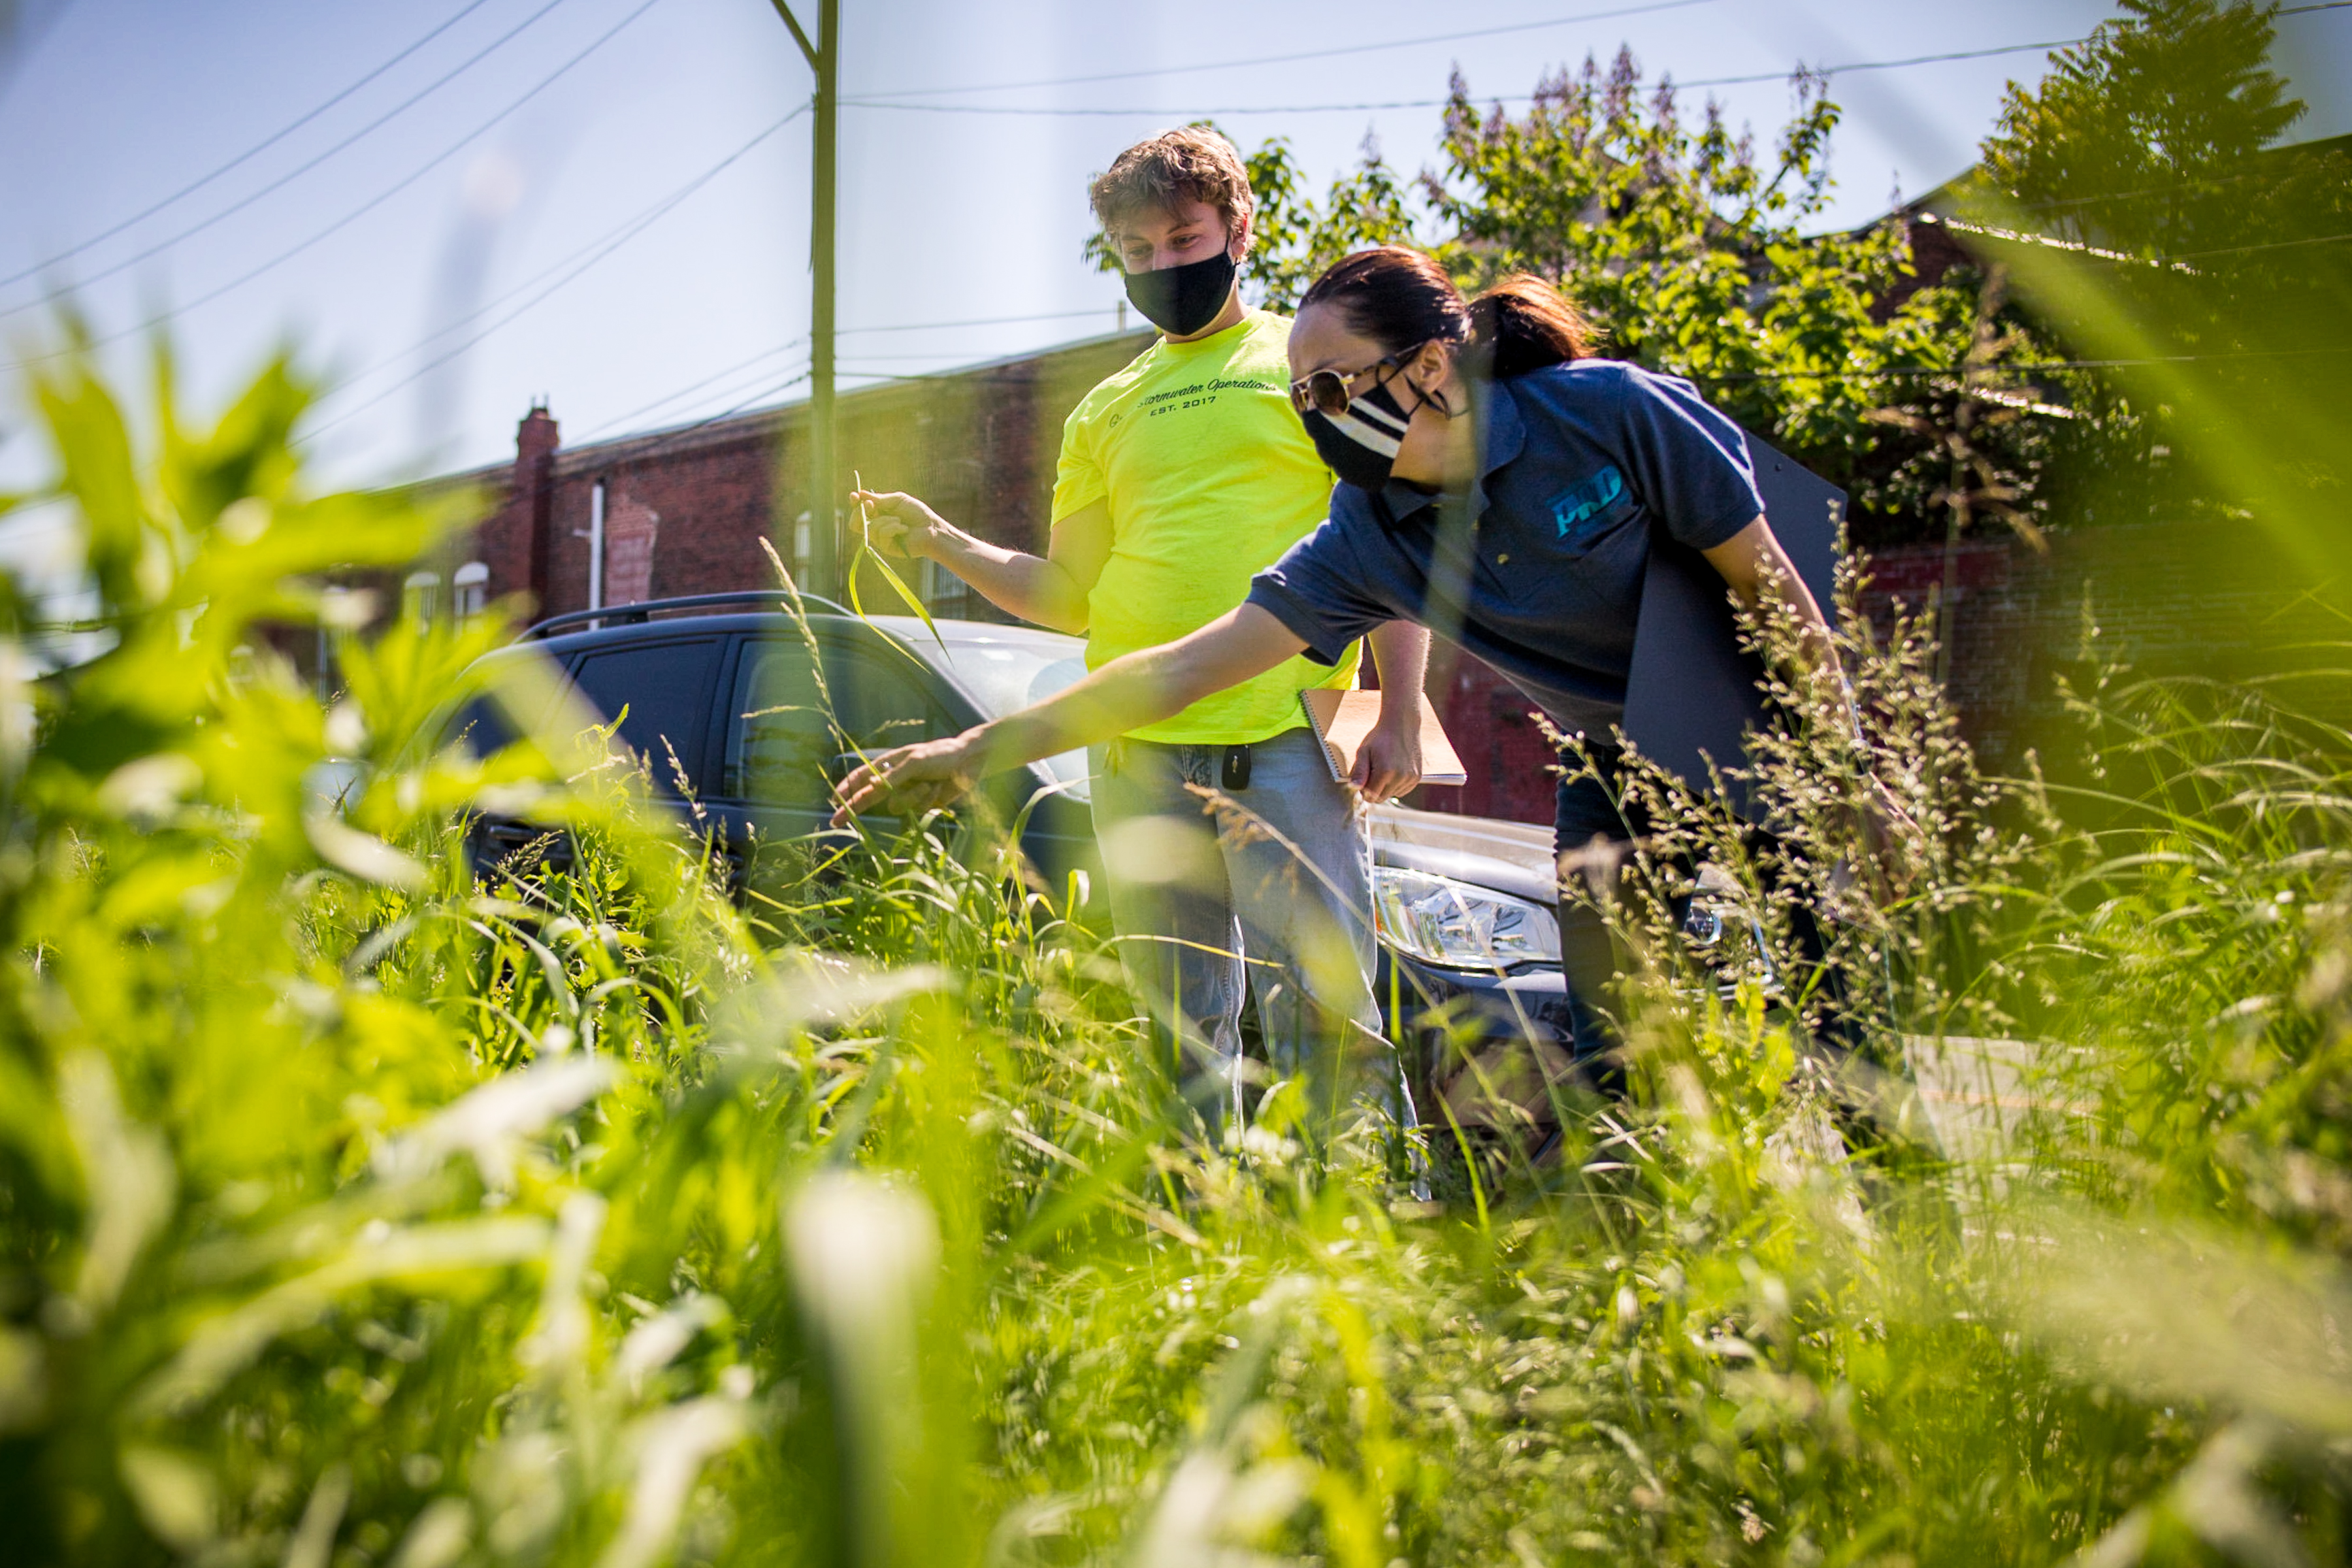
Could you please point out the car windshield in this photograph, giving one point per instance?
(1009, 668)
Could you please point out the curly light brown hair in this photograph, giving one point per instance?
(1191, 163)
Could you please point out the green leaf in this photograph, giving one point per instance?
(866, 550)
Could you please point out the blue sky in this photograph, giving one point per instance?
(453, 225)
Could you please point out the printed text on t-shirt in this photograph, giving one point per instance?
(1200, 393)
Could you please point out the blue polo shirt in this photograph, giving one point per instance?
(1579, 464)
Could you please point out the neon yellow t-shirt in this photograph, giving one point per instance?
(1209, 477)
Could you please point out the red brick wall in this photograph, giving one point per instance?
(2165, 599)
(979, 446)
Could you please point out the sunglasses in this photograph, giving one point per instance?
(1325, 390)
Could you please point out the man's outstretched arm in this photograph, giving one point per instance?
(1048, 590)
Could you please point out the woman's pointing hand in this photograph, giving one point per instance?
(906, 780)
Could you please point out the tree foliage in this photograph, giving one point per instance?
(2203, 267)
(1692, 254)
(2147, 136)
(1300, 238)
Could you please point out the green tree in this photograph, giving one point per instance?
(2147, 137)
(1691, 254)
(2216, 286)
(1298, 239)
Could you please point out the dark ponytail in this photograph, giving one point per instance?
(1523, 324)
(1401, 299)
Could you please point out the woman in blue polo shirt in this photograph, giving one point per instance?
(1496, 485)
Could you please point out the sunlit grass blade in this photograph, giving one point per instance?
(908, 595)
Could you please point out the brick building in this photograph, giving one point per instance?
(683, 511)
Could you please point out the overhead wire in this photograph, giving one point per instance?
(277, 185)
(357, 213)
(896, 100)
(1322, 54)
(846, 332)
(664, 439)
(606, 244)
(1879, 65)
(603, 247)
(692, 387)
(1895, 373)
(1443, 102)
(259, 147)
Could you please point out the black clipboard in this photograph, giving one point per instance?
(1692, 695)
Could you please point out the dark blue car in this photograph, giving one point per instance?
(721, 692)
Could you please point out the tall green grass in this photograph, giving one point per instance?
(356, 1212)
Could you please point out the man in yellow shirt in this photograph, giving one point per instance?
(1180, 477)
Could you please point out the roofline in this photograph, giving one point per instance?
(781, 415)
(1939, 199)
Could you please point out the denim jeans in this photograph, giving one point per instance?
(1209, 907)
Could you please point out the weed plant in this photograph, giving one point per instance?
(358, 1210)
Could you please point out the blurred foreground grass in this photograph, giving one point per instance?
(352, 1212)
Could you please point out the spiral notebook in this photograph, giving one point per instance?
(1342, 719)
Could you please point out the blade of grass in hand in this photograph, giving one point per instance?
(865, 549)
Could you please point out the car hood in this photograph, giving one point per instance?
(1514, 857)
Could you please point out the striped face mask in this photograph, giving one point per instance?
(1360, 443)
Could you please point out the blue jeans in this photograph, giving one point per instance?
(1210, 906)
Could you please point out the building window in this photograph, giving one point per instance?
(420, 597)
(801, 545)
(469, 591)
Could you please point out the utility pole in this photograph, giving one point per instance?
(825, 534)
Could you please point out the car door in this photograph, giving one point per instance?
(785, 748)
(661, 692)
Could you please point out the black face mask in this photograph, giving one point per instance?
(1181, 300)
(1360, 445)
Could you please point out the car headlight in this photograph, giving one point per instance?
(1441, 921)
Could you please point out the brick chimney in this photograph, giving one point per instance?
(536, 440)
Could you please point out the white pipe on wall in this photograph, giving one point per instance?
(596, 546)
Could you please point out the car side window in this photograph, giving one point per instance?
(783, 750)
(479, 728)
(667, 688)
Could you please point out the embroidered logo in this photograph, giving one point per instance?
(1589, 499)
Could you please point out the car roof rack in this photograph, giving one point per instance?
(646, 609)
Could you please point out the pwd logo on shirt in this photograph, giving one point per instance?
(1589, 499)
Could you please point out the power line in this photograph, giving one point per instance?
(2273, 244)
(985, 322)
(1902, 372)
(602, 247)
(846, 332)
(664, 440)
(896, 100)
(290, 176)
(357, 213)
(692, 387)
(1443, 102)
(1288, 59)
(242, 158)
